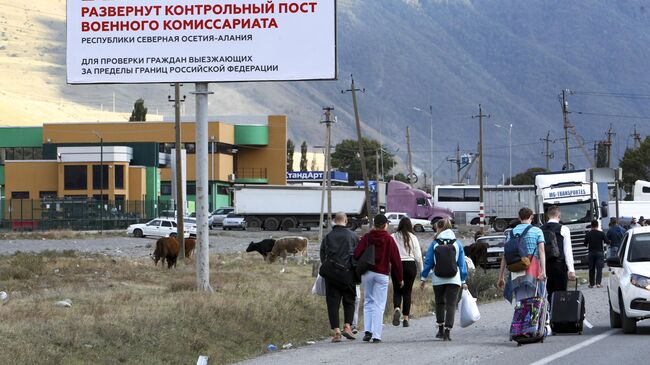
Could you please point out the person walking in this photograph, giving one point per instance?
(411, 256)
(595, 240)
(337, 248)
(446, 258)
(614, 236)
(375, 281)
(559, 270)
(634, 224)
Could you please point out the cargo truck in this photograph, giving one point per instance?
(401, 197)
(273, 207)
(502, 203)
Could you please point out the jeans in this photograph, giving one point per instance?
(404, 294)
(446, 300)
(375, 291)
(355, 321)
(596, 263)
(334, 294)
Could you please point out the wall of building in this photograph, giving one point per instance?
(271, 159)
(23, 179)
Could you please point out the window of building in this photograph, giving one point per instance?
(190, 148)
(99, 181)
(76, 197)
(119, 176)
(38, 153)
(20, 195)
(191, 189)
(222, 190)
(165, 189)
(47, 195)
(98, 197)
(75, 177)
(9, 153)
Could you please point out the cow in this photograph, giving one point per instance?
(290, 244)
(167, 248)
(190, 243)
(478, 253)
(264, 247)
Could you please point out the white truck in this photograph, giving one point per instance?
(578, 206)
(273, 207)
(639, 206)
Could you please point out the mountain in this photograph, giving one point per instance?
(514, 57)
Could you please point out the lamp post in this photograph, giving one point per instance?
(509, 148)
(101, 182)
(430, 113)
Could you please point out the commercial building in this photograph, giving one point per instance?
(122, 171)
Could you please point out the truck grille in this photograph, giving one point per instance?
(578, 244)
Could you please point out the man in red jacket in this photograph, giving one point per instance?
(375, 281)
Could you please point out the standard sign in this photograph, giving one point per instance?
(146, 41)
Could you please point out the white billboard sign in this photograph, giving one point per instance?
(156, 41)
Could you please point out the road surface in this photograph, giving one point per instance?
(486, 342)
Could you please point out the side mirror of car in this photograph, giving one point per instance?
(614, 261)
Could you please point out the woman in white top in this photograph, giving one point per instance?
(411, 254)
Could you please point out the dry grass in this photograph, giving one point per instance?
(129, 311)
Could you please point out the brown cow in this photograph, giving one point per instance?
(477, 251)
(190, 243)
(167, 248)
(290, 244)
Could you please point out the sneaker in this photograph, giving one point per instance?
(368, 336)
(355, 330)
(405, 323)
(590, 286)
(376, 340)
(446, 336)
(599, 286)
(396, 316)
(347, 333)
(440, 333)
(336, 337)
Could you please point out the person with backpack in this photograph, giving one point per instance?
(615, 235)
(446, 258)
(528, 242)
(559, 268)
(595, 241)
(375, 280)
(411, 255)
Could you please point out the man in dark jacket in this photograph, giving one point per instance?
(595, 241)
(338, 247)
(615, 235)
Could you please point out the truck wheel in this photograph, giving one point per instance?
(418, 228)
(500, 225)
(271, 224)
(254, 222)
(288, 223)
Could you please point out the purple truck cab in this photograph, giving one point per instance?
(401, 197)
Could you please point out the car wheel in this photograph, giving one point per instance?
(614, 318)
(138, 233)
(628, 324)
(418, 228)
(172, 235)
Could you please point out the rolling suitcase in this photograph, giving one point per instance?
(567, 311)
(529, 320)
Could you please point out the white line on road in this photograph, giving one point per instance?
(574, 348)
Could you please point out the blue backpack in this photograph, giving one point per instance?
(516, 252)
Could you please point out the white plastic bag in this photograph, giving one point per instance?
(319, 286)
(468, 309)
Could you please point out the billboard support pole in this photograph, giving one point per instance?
(202, 233)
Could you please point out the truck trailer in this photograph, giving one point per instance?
(273, 207)
(503, 202)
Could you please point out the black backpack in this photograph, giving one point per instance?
(552, 246)
(445, 258)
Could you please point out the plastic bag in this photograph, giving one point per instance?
(319, 286)
(468, 309)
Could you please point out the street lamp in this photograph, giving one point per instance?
(101, 182)
(430, 113)
(509, 146)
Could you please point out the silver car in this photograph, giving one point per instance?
(233, 220)
(217, 217)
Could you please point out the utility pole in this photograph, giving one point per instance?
(547, 151)
(565, 116)
(409, 158)
(457, 162)
(480, 117)
(362, 154)
(637, 138)
(608, 145)
(179, 202)
(328, 162)
(377, 164)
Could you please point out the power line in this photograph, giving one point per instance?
(612, 115)
(612, 95)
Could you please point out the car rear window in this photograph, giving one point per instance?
(494, 241)
(639, 248)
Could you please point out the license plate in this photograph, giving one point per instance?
(492, 259)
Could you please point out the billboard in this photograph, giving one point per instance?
(160, 41)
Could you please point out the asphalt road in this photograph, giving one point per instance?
(485, 342)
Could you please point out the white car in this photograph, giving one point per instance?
(159, 227)
(628, 286)
(189, 225)
(217, 217)
(419, 225)
(233, 220)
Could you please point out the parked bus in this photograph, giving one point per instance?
(463, 200)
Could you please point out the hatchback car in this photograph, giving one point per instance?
(159, 227)
(233, 220)
(495, 248)
(419, 225)
(628, 285)
(217, 217)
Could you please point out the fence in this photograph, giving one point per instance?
(77, 214)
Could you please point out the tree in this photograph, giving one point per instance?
(303, 156)
(139, 113)
(527, 177)
(401, 177)
(290, 151)
(346, 158)
(636, 165)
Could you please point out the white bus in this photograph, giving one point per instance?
(463, 200)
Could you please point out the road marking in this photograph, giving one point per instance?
(574, 348)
